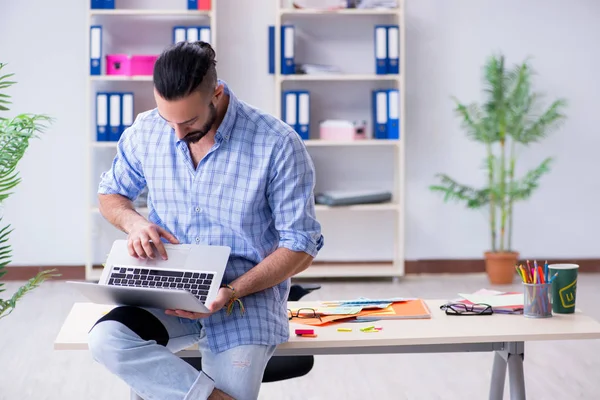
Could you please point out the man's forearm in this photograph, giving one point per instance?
(119, 211)
(274, 269)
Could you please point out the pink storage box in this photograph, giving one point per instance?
(340, 130)
(123, 64)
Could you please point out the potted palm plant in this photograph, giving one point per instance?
(15, 134)
(509, 117)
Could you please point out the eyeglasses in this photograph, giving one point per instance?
(466, 309)
(303, 313)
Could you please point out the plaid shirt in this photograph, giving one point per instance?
(252, 192)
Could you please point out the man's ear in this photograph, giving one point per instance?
(219, 91)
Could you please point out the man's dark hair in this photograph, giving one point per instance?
(183, 68)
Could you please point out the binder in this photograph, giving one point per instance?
(204, 34)
(393, 114)
(96, 50)
(109, 4)
(393, 50)
(381, 49)
(271, 49)
(192, 4)
(97, 4)
(179, 34)
(114, 116)
(204, 5)
(192, 34)
(289, 109)
(101, 117)
(288, 66)
(126, 111)
(303, 120)
(380, 114)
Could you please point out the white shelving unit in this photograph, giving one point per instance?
(153, 25)
(344, 226)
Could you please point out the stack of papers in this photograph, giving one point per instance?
(363, 309)
(501, 302)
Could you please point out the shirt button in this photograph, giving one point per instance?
(197, 239)
(198, 209)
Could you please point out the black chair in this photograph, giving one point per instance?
(280, 367)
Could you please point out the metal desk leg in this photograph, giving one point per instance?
(133, 395)
(516, 375)
(498, 376)
(512, 356)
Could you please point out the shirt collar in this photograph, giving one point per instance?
(226, 127)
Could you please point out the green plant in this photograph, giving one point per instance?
(15, 134)
(510, 116)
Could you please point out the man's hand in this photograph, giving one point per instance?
(222, 298)
(140, 235)
(219, 395)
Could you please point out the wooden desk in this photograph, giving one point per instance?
(505, 335)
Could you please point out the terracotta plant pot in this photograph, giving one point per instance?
(500, 267)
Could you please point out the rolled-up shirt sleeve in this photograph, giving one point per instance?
(125, 176)
(291, 196)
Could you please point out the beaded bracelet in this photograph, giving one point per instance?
(232, 300)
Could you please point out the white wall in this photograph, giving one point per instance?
(447, 43)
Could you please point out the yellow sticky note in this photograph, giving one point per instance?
(344, 330)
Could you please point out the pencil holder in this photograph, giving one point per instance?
(538, 300)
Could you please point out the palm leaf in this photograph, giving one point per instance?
(524, 188)
(455, 191)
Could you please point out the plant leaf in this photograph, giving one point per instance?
(453, 190)
(524, 188)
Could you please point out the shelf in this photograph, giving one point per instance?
(141, 210)
(308, 143)
(109, 78)
(364, 142)
(318, 207)
(150, 12)
(345, 11)
(104, 144)
(339, 77)
(350, 270)
(360, 207)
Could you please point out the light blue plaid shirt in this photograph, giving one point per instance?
(252, 192)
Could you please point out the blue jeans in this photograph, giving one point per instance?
(153, 371)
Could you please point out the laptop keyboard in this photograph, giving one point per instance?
(196, 283)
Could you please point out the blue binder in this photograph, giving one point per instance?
(303, 114)
(179, 34)
(96, 50)
(109, 4)
(380, 114)
(192, 4)
(393, 49)
(101, 117)
(381, 49)
(126, 111)
(393, 114)
(271, 49)
(289, 108)
(204, 34)
(97, 4)
(114, 116)
(288, 65)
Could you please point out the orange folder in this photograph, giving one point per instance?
(412, 309)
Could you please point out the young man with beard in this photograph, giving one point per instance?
(218, 172)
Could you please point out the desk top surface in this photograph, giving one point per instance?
(439, 329)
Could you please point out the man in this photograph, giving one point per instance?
(218, 172)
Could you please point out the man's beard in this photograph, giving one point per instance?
(195, 136)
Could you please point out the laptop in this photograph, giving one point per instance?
(188, 280)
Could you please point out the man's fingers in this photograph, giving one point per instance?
(154, 236)
(167, 235)
(147, 246)
(130, 248)
(137, 246)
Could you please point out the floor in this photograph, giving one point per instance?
(31, 369)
